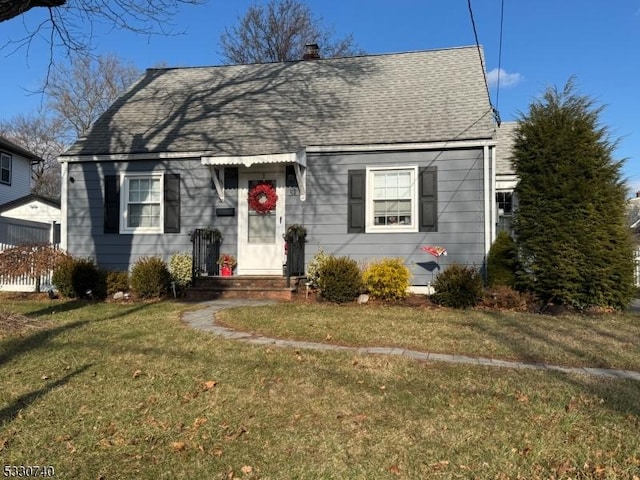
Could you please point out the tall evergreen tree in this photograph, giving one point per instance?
(570, 222)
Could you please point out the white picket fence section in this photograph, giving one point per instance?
(22, 283)
(636, 266)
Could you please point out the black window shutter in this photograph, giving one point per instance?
(428, 206)
(172, 203)
(231, 177)
(356, 201)
(111, 204)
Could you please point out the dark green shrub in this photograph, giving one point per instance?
(387, 279)
(458, 287)
(79, 278)
(339, 279)
(150, 277)
(117, 281)
(502, 261)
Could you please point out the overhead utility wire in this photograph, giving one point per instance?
(496, 115)
(500, 55)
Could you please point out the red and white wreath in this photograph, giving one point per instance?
(262, 197)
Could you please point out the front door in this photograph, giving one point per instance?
(260, 240)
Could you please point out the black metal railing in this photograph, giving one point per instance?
(206, 250)
(295, 255)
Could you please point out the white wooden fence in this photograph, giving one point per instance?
(14, 232)
(636, 266)
(22, 283)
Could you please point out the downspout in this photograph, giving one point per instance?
(494, 207)
(64, 195)
(488, 215)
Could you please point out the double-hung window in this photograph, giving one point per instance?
(5, 168)
(142, 205)
(392, 194)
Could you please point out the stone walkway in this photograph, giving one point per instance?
(204, 319)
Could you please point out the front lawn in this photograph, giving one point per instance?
(605, 341)
(106, 391)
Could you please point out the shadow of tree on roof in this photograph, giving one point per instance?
(236, 110)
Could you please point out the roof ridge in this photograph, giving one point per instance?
(323, 60)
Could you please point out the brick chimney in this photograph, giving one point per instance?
(311, 51)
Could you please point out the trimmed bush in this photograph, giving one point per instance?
(502, 261)
(314, 267)
(180, 267)
(79, 278)
(150, 277)
(458, 287)
(339, 279)
(387, 279)
(117, 281)
(503, 297)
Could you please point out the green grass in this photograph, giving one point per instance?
(605, 341)
(120, 391)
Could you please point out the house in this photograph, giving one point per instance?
(506, 179)
(15, 170)
(376, 156)
(24, 217)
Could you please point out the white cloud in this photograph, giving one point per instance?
(506, 79)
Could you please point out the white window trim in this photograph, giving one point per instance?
(124, 197)
(9, 157)
(370, 226)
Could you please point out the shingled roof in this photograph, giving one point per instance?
(424, 96)
(504, 152)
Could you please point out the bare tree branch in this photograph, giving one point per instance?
(70, 23)
(41, 135)
(279, 31)
(82, 91)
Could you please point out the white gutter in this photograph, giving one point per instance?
(130, 157)
(401, 146)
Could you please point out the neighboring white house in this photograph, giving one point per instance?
(15, 170)
(24, 217)
(506, 179)
(33, 208)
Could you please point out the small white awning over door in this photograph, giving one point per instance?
(297, 159)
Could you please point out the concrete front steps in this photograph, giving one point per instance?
(253, 287)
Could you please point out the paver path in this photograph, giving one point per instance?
(204, 319)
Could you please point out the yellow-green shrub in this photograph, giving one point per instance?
(180, 267)
(387, 279)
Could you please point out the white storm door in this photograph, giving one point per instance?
(260, 241)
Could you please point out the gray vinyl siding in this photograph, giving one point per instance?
(323, 213)
(198, 201)
(460, 210)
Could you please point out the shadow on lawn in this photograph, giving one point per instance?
(525, 350)
(616, 394)
(41, 338)
(9, 413)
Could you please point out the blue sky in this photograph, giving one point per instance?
(545, 42)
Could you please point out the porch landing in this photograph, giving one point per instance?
(266, 287)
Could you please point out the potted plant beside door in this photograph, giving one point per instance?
(227, 262)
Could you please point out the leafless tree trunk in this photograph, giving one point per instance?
(82, 91)
(279, 31)
(43, 136)
(11, 8)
